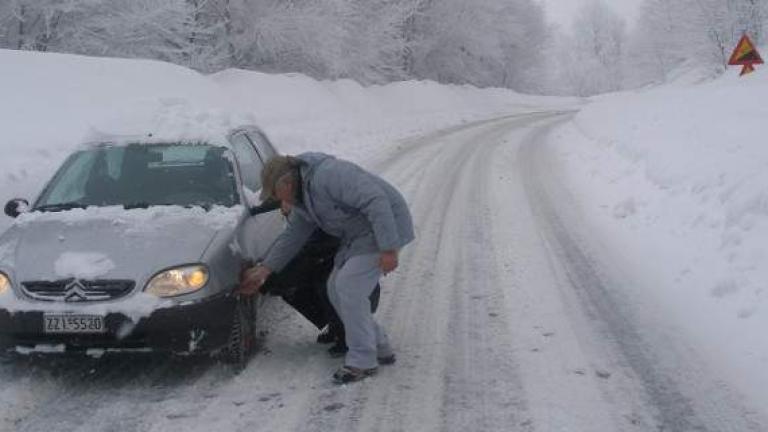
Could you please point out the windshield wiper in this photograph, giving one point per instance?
(136, 205)
(145, 205)
(60, 207)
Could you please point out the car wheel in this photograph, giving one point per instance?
(242, 336)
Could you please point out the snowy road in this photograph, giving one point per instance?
(504, 315)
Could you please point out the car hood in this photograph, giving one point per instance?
(112, 243)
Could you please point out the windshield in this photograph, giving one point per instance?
(141, 175)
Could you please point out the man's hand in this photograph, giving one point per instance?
(254, 279)
(388, 261)
(285, 208)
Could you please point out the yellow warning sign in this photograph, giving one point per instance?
(745, 55)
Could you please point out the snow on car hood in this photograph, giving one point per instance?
(113, 243)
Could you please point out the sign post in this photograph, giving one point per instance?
(745, 55)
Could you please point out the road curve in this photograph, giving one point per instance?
(503, 317)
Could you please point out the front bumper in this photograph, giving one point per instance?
(194, 327)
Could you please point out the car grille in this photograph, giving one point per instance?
(76, 290)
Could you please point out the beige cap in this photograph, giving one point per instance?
(275, 168)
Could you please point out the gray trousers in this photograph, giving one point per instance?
(349, 289)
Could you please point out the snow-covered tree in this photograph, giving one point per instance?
(158, 29)
(674, 34)
(591, 58)
(485, 43)
(287, 36)
(600, 36)
(34, 24)
(657, 46)
(375, 45)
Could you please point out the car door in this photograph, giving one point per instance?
(262, 143)
(259, 232)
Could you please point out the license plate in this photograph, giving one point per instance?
(73, 323)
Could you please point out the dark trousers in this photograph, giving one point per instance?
(303, 284)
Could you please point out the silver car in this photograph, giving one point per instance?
(139, 244)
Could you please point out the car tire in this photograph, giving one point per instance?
(242, 336)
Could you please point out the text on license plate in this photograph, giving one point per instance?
(72, 323)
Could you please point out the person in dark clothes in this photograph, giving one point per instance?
(302, 284)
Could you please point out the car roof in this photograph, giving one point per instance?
(218, 138)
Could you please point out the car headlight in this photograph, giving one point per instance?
(5, 283)
(178, 281)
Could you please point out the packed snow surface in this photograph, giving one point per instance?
(675, 180)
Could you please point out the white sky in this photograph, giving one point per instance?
(561, 12)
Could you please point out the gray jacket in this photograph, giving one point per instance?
(368, 214)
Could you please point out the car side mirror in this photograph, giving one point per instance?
(16, 206)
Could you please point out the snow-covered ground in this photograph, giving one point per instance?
(603, 271)
(673, 182)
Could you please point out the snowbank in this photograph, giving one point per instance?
(676, 179)
(53, 102)
(359, 122)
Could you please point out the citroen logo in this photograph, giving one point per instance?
(75, 292)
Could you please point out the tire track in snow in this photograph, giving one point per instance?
(452, 374)
(482, 386)
(353, 398)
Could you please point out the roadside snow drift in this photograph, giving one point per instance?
(676, 180)
(52, 103)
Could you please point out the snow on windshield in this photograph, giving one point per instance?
(140, 219)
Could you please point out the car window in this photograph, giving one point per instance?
(251, 164)
(144, 175)
(69, 184)
(262, 145)
(114, 162)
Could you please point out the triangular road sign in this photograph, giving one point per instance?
(745, 54)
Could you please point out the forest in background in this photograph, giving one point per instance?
(485, 43)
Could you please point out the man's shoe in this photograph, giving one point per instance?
(338, 350)
(349, 374)
(387, 360)
(326, 337)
